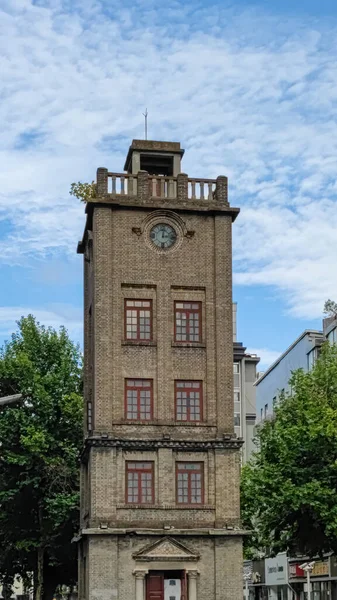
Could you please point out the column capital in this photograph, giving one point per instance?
(193, 574)
(140, 573)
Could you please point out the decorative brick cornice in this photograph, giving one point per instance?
(227, 443)
(129, 201)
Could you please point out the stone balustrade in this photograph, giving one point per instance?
(147, 186)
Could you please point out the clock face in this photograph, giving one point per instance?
(163, 236)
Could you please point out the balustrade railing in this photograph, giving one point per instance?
(201, 189)
(124, 184)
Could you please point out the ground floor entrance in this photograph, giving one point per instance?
(166, 585)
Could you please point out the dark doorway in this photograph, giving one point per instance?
(166, 585)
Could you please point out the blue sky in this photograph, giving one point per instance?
(249, 88)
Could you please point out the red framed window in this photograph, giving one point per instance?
(188, 397)
(139, 399)
(187, 321)
(138, 320)
(190, 483)
(139, 482)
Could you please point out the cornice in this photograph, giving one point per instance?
(226, 443)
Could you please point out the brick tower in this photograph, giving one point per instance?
(160, 465)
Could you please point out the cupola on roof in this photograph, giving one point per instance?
(155, 157)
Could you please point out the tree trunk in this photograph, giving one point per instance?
(39, 574)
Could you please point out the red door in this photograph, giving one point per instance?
(155, 586)
(183, 586)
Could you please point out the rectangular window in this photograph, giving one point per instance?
(138, 399)
(312, 357)
(236, 370)
(265, 410)
(190, 483)
(139, 483)
(188, 397)
(138, 320)
(237, 419)
(332, 336)
(187, 318)
(89, 416)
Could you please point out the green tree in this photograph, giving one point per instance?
(40, 441)
(83, 191)
(330, 308)
(289, 499)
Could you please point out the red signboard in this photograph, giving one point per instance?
(320, 568)
(295, 571)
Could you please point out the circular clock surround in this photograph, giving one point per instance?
(168, 219)
(163, 235)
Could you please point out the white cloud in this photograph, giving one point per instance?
(248, 95)
(267, 357)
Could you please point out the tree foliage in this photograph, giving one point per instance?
(40, 440)
(83, 191)
(289, 498)
(330, 308)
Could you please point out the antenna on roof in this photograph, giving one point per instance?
(145, 115)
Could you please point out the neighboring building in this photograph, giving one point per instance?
(302, 354)
(275, 380)
(276, 578)
(160, 509)
(323, 578)
(281, 578)
(330, 329)
(256, 583)
(244, 393)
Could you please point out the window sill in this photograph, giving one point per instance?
(165, 423)
(188, 345)
(167, 506)
(138, 343)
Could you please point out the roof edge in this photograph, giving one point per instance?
(281, 357)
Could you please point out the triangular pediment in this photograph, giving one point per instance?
(166, 549)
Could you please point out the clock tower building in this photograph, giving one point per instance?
(160, 465)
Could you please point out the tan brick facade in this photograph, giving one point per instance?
(122, 263)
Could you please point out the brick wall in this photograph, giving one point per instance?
(121, 263)
(110, 563)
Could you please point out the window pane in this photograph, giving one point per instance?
(189, 483)
(138, 320)
(138, 399)
(188, 400)
(139, 482)
(187, 321)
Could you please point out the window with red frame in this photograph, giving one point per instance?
(187, 326)
(138, 320)
(138, 399)
(188, 396)
(190, 483)
(139, 482)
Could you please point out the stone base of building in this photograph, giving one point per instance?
(160, 567)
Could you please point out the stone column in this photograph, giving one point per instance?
(143, 183)
(192, 585)
(140, 584)
(102, 181)
(221, 190)
(182, 187)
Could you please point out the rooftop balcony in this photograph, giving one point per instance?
(147, 187)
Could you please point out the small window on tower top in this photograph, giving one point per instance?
(156, 164)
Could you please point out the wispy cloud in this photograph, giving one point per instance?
(57, 315)
(248, 95)
(267, 357)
